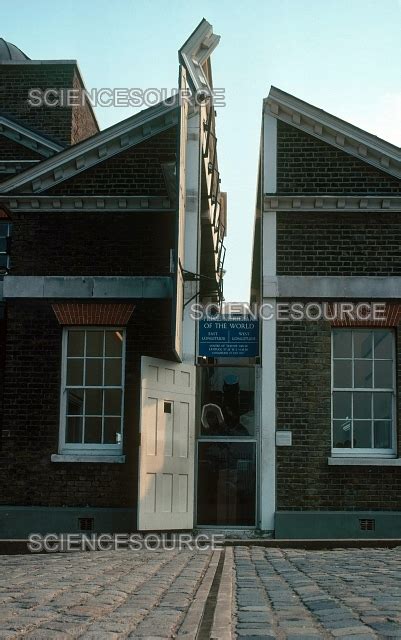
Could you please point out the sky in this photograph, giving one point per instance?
(340, 55)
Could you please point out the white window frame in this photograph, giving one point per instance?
(90, 448)
(371, 452)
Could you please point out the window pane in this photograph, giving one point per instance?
(93, 402)
(94, 343)
(384, 374)
(342, 345)
(383, 344)
(362, 435)
(382, 431)
(75, 372)
(3, 228)
(93, 430)
(341, 433)
(227, 400)
(112, 427)
(227, 483)
(112, 402)
(362, 405)
(112, 372)
(75, 402)
(76, 341)
(363, 373)
(3, 260)
(382, 403)
(94, 372)
(342, 404)
(3, 245)
(342, 373)
(362, 344)
(74, 429)
(114, 344)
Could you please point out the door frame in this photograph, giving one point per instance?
(255, 439)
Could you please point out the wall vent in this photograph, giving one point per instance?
(86, 524)
(367, 524)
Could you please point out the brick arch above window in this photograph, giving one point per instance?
(93, 314)
(389, 317)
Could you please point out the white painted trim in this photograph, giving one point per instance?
(96, 149)
(341, 287)
(363, 462)
(359, 452)
(267, 467)
(268, 423)
(196, 51)
(56, 457)
(338, 204)
(269, 156)
(191, 233)
(89, 450)
(269, 246)
(334, 131)
(27, 138)
(78, 203)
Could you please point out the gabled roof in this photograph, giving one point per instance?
(28, 138)
(77, 158)
(334, 131)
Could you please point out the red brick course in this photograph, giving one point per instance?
(106, 314)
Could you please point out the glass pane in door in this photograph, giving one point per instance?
(226, 483)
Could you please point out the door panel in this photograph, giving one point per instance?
(167, 451)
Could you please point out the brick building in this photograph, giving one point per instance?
(328, 231)
(106, 236)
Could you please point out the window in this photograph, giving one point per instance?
(92, 390)
(227, 397)
(363, 386)
(5, 236)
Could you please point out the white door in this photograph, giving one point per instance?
(167, 450)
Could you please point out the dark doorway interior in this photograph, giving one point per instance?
(226, 483)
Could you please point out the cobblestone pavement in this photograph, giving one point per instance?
(299, 595)
(96, 595)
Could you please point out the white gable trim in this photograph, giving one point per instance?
(194, 53)
(334, 131)
(100, 204)
(95, 149)
(21, 135)
(332, 203)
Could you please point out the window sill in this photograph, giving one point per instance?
(364, 462)
(72, 457)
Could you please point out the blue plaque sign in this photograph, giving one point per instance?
(229, 338)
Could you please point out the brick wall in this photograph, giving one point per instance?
(83, 123)
(31, 414)
(66, 125)
(348, 244)
(305, 165)
(91, 243)
(304, 479)
(10, 150)
(136, 171)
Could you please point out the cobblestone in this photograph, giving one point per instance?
(302, 595)
(124, 594)
(279, 594)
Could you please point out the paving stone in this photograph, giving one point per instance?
(339, 593)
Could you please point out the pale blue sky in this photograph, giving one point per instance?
(341, 55)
